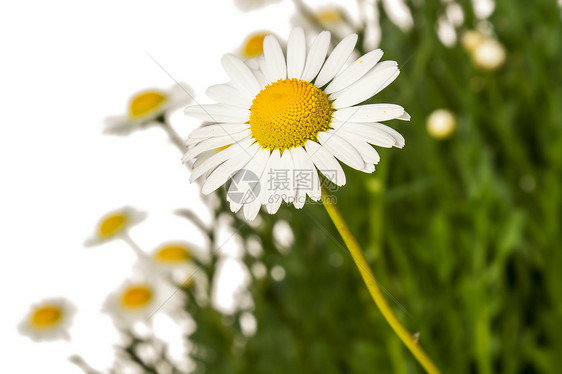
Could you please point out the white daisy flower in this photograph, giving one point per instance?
(136, 301)
(247, 5)
(48, 320)
(290, 117)
(146, 107)
(115, 223)
(174, 261)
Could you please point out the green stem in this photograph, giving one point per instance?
(351, 242)
(174, 136)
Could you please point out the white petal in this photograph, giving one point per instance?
(266, 181)
(252, 208)
(400, 142)
(272, 198)
(214, 143)
(227, 94)
(234, 205)
(218, 113)
(296, 53)
(241, 75)
(203, 157)
(341, 149)
(226, 170)
(219, 157)
(255, 166)
(179, 95)
(336, 60)
(367, 152)
(260, 76)
(306, 176)
(369, 113)
(273, 207)
(252, 63)
(274, 59)
(300, 199)
(404, 117)
(119, 125)
(371, 134)
(325, 162)
(287, 185)
(355, 71)
(218, 129)
(399, 13)
(369, 168)
(265, 69)
(316, 56)
(378, 78)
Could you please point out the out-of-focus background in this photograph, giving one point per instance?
(461, 226)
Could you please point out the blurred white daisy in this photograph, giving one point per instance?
(246, 5)
(370, 17)
(332, 18)
(471, 40)
(147, 107)
(48, 320)
(441, 124)
(174, 261)
(114, 224)
(399, 14)
(136, 301)
(290, 117)
(489, 54)
(253, 45)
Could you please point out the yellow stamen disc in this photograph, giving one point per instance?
(329, 16)
(253, 46)
(46, 316)
(112, 225)
(287, 113)
(145, 103)
(136, 296)
(173, 253)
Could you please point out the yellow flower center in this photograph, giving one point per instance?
(253, 46)
(46, 316)
(145, 103)
(329, 16)
(173, 253)
(136, 296)
(112, 225)
(287, 113)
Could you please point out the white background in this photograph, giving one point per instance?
(65, 66)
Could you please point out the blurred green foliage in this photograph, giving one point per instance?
(462, 233)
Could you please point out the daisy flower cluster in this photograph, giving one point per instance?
(157, 274)
(282, 125)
